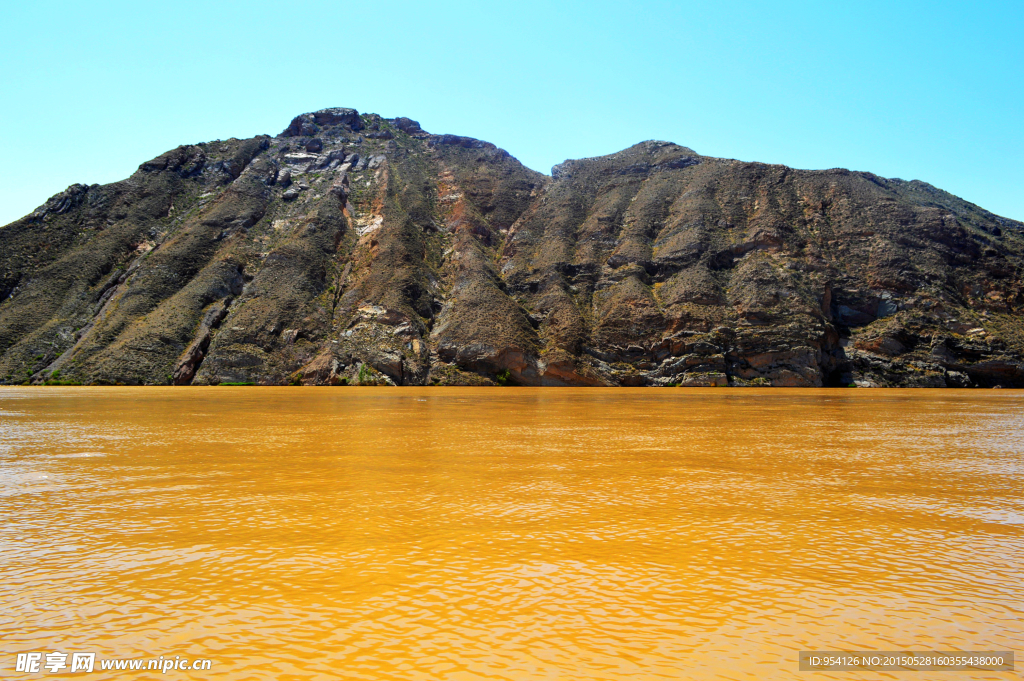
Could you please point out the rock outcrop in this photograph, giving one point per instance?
(353, 249)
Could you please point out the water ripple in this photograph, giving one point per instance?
(509, 534)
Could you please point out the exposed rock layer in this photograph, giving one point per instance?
(353, 249)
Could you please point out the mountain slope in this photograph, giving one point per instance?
(352, 249)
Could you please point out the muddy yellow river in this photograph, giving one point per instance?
(450, 533)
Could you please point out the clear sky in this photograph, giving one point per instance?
(918, 90)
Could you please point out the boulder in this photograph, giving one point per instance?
(407, 125)
(338, 116)
(330, 160)
(299, 160)
(309, 124)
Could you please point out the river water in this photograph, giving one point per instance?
(508, 533)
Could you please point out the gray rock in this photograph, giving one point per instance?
(338, 116)
(388, 363)
(926, 381)
(185, 370)
(315, 145)
(284, 177)
(848, 316)
(886, 308)
(309, 124)
(704, 380)
(407, 125)
(340, 191)
(956, 379)
(291, 194)
(301, 161)
(331, 160)
(62, 202)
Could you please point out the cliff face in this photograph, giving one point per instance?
(352, 249)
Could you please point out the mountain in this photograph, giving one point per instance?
(354, 249)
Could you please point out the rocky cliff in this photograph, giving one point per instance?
(354, 249)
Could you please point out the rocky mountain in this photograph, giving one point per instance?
(354, 249)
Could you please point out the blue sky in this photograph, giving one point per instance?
(918, 90)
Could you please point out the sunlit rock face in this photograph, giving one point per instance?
(354, 249)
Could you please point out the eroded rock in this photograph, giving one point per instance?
(414, 259)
